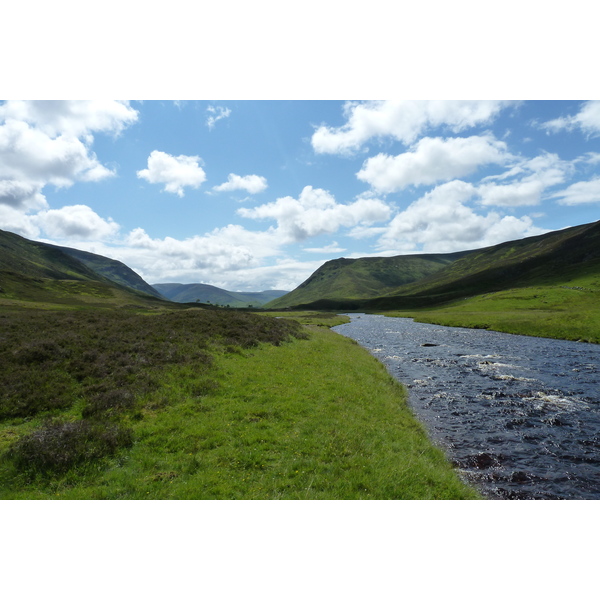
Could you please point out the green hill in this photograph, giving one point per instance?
(113, 270)
(209, 294)
(343, 279)
(43, 273)
(551, 259)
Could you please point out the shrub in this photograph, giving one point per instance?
(58, 446)
(37, 352)
(113, 400)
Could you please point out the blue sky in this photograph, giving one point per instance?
(254, 194)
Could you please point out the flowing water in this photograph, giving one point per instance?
(518, 416)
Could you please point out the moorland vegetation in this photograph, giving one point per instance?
(203, 404)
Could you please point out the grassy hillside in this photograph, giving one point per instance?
(113, 270)
(36, 260)
(350, 279)
(209, 294)
(553, 259)
(44, 275)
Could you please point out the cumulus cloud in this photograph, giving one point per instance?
(521, 193)
(216, 113)
(176, 172)
(587, 120)
(441, 221)
(18, 222)
(536, 175)
(231, 257)
(74, 118)
(582, 192)
(330, 249)
(432, 160)
(22, 195)
(402, 120)
(253, 184)
(77, 221)
(49, 142)
(30, 156)
(316, 212)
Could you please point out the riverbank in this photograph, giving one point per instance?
(518, 415)
(559, 312)
(314, 418)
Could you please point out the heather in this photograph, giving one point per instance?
(204, 404)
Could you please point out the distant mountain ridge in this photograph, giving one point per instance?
(210, 294)
(365, 283)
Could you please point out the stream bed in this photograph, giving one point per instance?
(518, 416)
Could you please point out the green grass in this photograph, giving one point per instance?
(570, 312)
(205, 405)
(320, 319)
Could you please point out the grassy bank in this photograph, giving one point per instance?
(570, 312)
(206, 405)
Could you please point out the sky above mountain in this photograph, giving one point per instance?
(252, 195)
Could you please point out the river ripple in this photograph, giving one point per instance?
(518, 416)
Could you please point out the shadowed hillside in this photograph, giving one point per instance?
(113, 270)
(38, 272)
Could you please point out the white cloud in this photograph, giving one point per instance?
(73, 118)
(49, 142)
(587, 119)
(402, 120)
(582, 192)
(440, 221)
(331, 249)
(18, 222)
(538, 174)
(592, 158)
(77, 221)
(216, 114)
(28, 155)
(232, 258)
(432, 160)
(316, 212)
(520, 193)
(22, 195)
(253, 184)
(176, 172)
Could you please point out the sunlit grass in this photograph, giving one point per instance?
(268, 416)
(570, 312)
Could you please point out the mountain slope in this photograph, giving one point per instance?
(113, 270)
(550, 259)
(39, 272)
(359, 278)
(201, 292)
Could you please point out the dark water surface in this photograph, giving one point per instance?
(519, 416)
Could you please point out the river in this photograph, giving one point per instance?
(518, 416)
